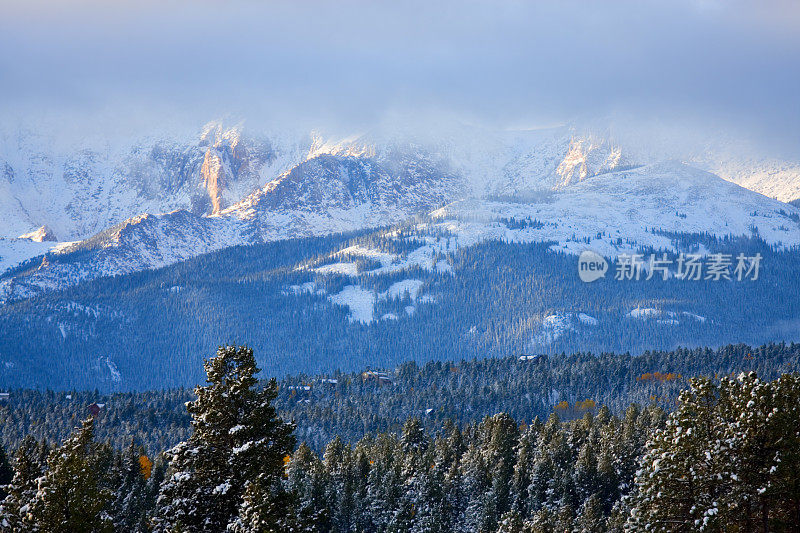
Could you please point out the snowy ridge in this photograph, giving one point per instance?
(615, 213)
(323, 195)
(582, 190)
(612, 213)
(82, 188)
(618, 212)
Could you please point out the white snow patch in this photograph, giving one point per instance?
(15, 251)
(222, 488)
(556, 325)
(407, 286)
(663, 317)
(646, 312)
(116, 376)
(384, 258)
(694, 316)
(347, 269)
(443, 266)
(360, 301)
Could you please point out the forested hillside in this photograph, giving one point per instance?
(724, 459)
(349, 405)
(320, 305)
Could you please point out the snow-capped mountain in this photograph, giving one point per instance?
(622, 211)
(326, 193)
(615, 213)
(771, 177)
(611, 213)
(225, 187)
(81, 188)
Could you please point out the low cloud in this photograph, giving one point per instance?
(348, 65)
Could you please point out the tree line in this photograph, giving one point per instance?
(493, 302)
(727, 458)
(348, 404)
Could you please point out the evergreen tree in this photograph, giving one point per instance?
(21, 491)
(728, 459)
(129, 505)
(308, 481)
(70, 498)
(6, 473)
(337, 459)
(592, 518)
(229, 473)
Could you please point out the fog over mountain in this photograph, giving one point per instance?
(347, 66)
(141, 136)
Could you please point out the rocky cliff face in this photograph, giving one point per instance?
(43, 234)
(589, 156)
(79, 192)
(224, 188)
(213, 174)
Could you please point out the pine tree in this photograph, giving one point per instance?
(523, 468)
(6, 473)
(592, 518)
(307, 480)
(70, 498)
(229, 473)
(152, 487)
(687, 473)
(762, 434)
(128, 507)
(502, 439)
(337, 461)
(14, 510)
(728, 459)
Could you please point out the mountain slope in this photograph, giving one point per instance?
(80, 188)
(583, 187)
(403, 298)
(325, 194)
(623, 210)
(612, 213)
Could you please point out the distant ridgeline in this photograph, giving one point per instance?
(311, 306)
(350, 405)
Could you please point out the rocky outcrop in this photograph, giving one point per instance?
(213, 174)
(43, 234)
(587, 157)
(79, 190)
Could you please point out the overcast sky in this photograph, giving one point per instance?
(349, 65)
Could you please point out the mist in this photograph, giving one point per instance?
(728, 66)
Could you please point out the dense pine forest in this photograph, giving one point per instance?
(349, 405)
(465, 447)
(494, 299)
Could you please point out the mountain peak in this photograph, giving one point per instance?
(42, 234)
